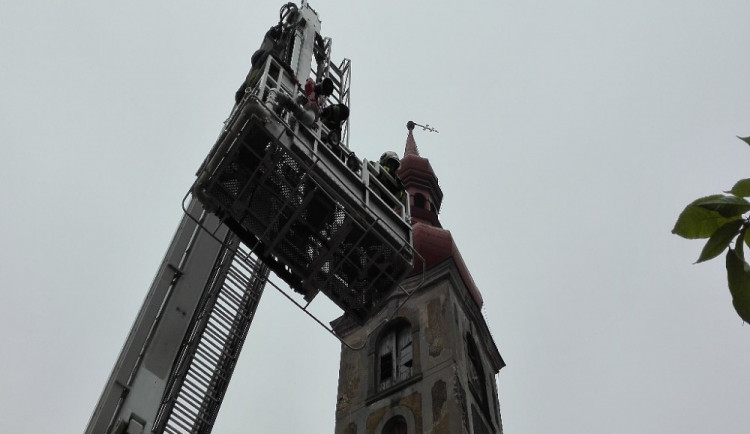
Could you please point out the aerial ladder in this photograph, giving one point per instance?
(278, 192)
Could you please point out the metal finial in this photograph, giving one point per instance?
(411, 124)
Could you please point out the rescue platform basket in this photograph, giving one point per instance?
(319, 223)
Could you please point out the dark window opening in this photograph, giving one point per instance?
(396, 425)
(395, 357)
(386, 367)
(419, 201)
(476, 373)
(476, 420)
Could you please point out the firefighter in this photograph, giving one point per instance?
(332, 117)
(386, 174)
(307, 108)
(270, 45)
(317, 93)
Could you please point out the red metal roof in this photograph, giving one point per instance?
(432, 242)
(435, 245)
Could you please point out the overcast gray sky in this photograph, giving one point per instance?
(571, 136)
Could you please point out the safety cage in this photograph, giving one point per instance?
(316, 215)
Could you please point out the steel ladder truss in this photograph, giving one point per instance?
(176, 363)
(209, 353)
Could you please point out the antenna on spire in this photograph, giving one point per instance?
(411, 124)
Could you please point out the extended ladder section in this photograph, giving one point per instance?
(209, 353)
(316, 215)
(180, 354)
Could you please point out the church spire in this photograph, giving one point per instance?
(433, 243)
(411, 145)
(421, 183)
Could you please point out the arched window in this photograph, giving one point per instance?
(476, 372)
(419, 201)
(394, 356)
(397, 425)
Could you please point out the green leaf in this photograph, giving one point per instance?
(697, 222)
(727, 206)
(744, 139)
(740, 243)
(741, 188)
(738, 279)
(720, 240)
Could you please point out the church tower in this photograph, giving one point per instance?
(426, 363)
